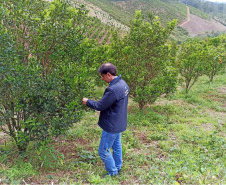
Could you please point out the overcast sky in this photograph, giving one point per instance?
(222, 1)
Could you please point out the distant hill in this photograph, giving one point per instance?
(203, 19)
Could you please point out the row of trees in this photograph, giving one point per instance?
(47, 65)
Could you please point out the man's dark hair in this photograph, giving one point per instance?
(108, 68)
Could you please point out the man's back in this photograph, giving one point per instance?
(114, 119)
(113, 106)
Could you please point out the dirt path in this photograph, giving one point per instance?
(188, 17)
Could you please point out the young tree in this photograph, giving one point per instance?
(146, 58)
(215, 56)
(191, 61)
(44, 72)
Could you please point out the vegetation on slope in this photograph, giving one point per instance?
(116, 12)
(166, 11)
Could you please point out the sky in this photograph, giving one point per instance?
(221, 1)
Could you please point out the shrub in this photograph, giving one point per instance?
(44, 72)
(145, 57)
(191, 61)
(215, 57)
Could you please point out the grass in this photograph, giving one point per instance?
(178, 140)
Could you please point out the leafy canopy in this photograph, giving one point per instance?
(44, 71)
(146, 58)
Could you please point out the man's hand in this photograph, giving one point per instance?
(84, 100)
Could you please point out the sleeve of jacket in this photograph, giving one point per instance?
(105, 102)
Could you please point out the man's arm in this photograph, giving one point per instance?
(105, 102)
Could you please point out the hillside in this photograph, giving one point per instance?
(97, 10)
(165, 11)
(197, 26)
(119, 14)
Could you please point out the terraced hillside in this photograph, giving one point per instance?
(101, 23)
(118, 14)
(98, 31)
(215, 10)
(165, 11)
(123, 11)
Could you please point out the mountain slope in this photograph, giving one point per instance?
(120, 13)
(197, 26)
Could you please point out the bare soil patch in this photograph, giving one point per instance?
(197, 26)
(207, 126)
(222, 90)
(124, 4)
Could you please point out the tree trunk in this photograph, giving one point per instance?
(141, 105)
(211, 78)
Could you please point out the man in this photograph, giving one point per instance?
(113, 117)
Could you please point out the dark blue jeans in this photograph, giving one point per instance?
(113, 163)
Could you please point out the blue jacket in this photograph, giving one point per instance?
(113, 106)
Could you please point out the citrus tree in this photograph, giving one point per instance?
(191, 61)
(44, 71)
(215, 57)
(146, 59)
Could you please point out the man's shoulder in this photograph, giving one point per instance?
(117, 84)
(119, 87)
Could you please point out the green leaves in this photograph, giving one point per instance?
(44, 69)
(146, 59)
(199, 57)
(215, 56)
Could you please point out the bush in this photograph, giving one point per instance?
(215, 56)
(191, 61)
(146, 59)
(44, 72)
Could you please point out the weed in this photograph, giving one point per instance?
(20, 171)
(155, 136)
(95, 179)
(87, 157)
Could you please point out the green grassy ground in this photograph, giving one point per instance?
(178, 140)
